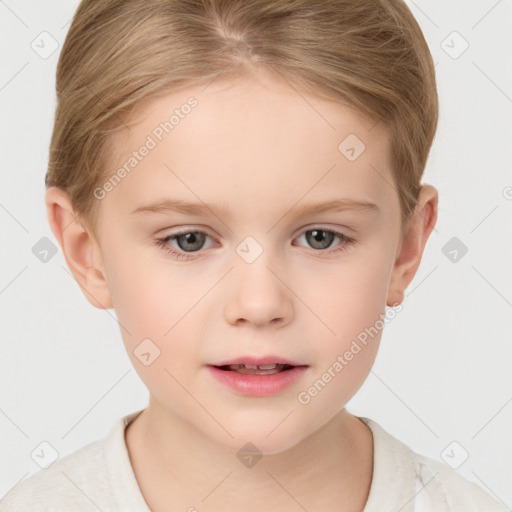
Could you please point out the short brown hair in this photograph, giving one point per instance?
(370, 54)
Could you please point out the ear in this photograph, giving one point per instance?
(80, 248)
(416, 233)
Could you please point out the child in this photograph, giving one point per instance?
(252, 127)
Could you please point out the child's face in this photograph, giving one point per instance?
(256, 152)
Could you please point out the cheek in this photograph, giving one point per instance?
(153, 299)
(351, 301)
(348, 295)
(150, 292)
(354, 308)
(156, 323)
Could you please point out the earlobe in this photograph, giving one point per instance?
(413, 244)
(80, 249)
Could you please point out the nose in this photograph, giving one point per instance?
(258, 294)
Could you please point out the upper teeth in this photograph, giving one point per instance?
(255, 367)
(267, 366)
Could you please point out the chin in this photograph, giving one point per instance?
(280, 440)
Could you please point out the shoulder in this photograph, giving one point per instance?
(77, 481)
(438, 481)
(400, 473)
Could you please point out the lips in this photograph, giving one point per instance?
(258, 361)
(260, 369)
(254, 382)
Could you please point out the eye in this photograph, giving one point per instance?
(190, 242)
(319, 238)
(187, 241)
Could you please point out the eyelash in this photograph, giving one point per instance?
(164, 242)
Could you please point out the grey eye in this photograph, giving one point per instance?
(319, 238)
(190, 242)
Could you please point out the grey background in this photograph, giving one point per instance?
(443, 370)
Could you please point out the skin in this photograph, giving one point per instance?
(261, 149)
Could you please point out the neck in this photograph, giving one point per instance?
(175, 464)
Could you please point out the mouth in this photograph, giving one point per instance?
(258, 377)
(256, 369)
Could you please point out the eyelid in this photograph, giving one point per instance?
(338, 233)
(325, 227)
(187, 229)
(345, 241)
(344, 230)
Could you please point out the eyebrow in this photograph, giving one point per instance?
(202, 209)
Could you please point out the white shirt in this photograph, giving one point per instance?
(99, 476)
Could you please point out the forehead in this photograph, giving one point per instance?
(255, 140)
